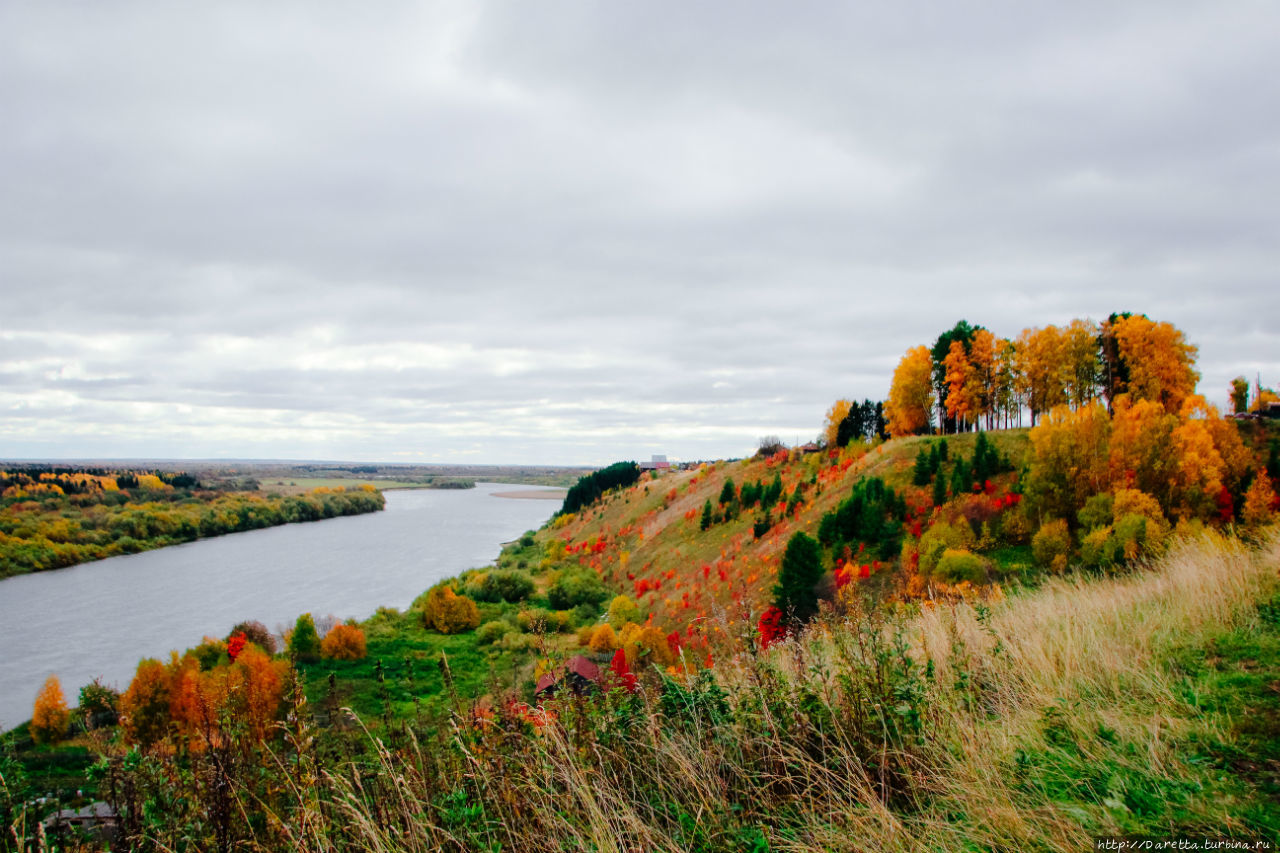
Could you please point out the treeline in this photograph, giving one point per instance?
(970, 378)
(48, 530)
(591, 487)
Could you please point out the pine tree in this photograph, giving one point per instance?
(935, 461)
(706, 515)
(942, 450)
(728, 492)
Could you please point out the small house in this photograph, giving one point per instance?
(578, 674)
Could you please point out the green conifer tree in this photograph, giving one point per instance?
(795, 593)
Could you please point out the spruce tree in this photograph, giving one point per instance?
(728, 492)
(934, 461)
(961, 477)
(939, 490)
(942, 450)
(706, 515)
(920, 474)
(795, 593)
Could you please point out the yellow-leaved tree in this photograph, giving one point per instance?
(838, 412)
(1160, 362)
(49, 715)
(909, 408)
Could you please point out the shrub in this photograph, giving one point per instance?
(1098, 511)
(574, 588)
(209, 653)
(1097, 548)
(536, 619)
(99, 704)
(621, 611)
(504, 586)
(603, 639)
(492, 632)
(1051, 544)
(447, 612)
(344, 642)
(958, 565)
(938, 538)
(304, 642)
(1015, 529)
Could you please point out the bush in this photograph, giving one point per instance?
(1097, 548)
(1051, 544)
(446, 612)
(621, 611)
(958, 565)
(938, 538)
(604, 639)
(1097, 512)
(256, 633)
(504, 586)
(304, 642)
(492, 632)
(344, 642)
(574, 588)
(99, 704)
(1015, 529)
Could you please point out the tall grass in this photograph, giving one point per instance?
(1032, 723)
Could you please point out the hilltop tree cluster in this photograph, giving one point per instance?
(971, 379)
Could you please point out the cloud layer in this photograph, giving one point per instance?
(577, 232)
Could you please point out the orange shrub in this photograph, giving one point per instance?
(344, 642)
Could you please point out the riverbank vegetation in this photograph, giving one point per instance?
(55, 517)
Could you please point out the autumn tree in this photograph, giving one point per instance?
(963, 333)
(1081, 365)
(960, 404)
(304, 642)
(255, 689)
(1239, 395)
(1259, 501)
(1069, 459)
(1142, 452)
(49, 715)
(911, 397)
(144, 708)
(1159, 360)
(1039, 367)
(344, 642)
(835, 416)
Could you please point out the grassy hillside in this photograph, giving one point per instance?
(647, 540)
(1140, 704)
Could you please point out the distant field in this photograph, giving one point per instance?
(298, 485)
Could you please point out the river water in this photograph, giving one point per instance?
(99, 619)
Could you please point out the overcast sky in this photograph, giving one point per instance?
(578, 232)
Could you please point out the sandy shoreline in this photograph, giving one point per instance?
(534, 494)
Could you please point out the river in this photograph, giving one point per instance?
(99, 619)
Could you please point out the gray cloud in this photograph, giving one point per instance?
(575, 232)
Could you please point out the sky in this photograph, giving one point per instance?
(576, 232)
